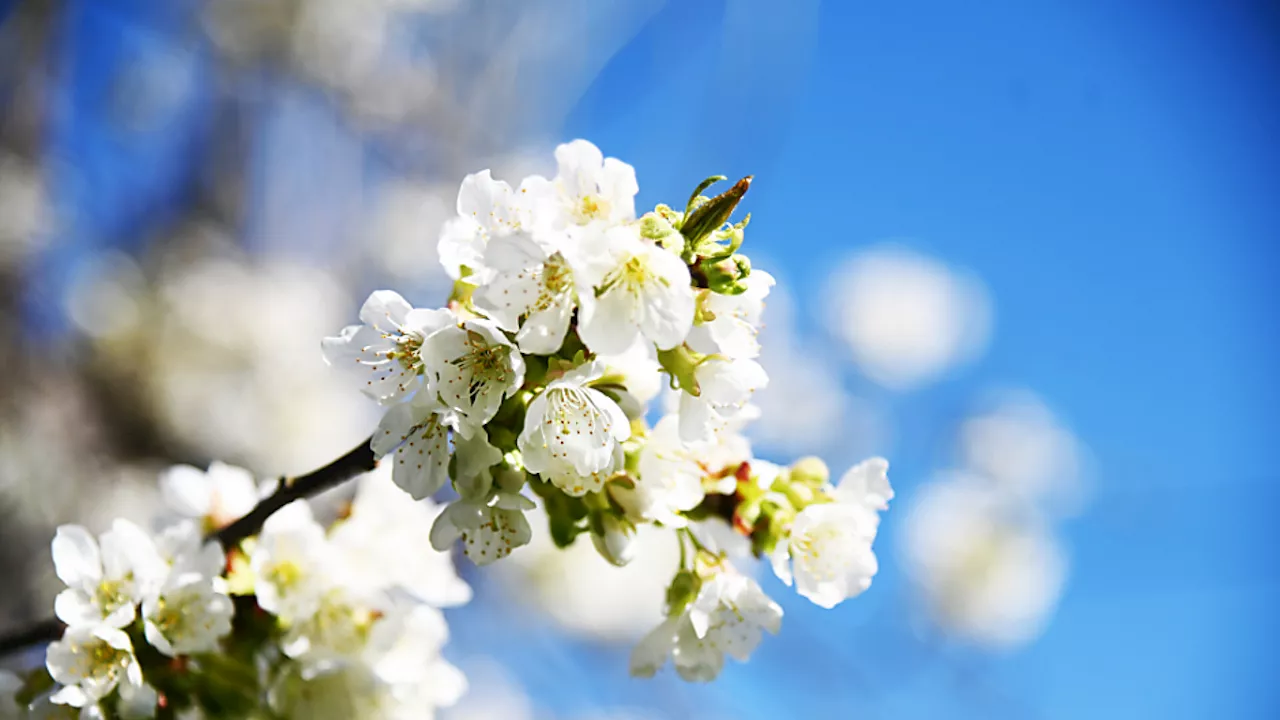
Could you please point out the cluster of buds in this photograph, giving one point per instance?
(532, 386)
(295, 623)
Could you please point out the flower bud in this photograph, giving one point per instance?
(683, 589)
(810, 471)
(656, 227)
(726, 276)
(614, 539)
(509, 479)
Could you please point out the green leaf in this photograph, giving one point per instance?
(712, 214)
(688, 208)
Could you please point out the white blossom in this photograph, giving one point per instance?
(396, 673)
(828, 550)
(217, 497)
(735, 320)
(386, 348)
(105, 579)
(394, 530)
(988, 572)
(532, 289)
(475, 368)
(588, 188)
(670, 480)
(728, 616)
(487, 208)
(89, 662)
(416, 436)
(725, 389)
(404, 651)
(289, 562)
(490, 526)
(573, 433)
(190, 613)
(640, 289)
(639, 369)
(185, 551)
(907, 318)
(333, 633)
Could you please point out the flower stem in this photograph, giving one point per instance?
(356, 462)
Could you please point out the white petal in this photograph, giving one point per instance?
(544, 331)
(187, 491)
(385, 310)
(609, 326)
(866, 483)
(461, 244)
(654, 649)
(780, 559)
(70, 695)
(444, 533)
(76, 558)
(618, 185)
(76, 607)
(580, 165)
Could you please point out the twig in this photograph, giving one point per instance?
(360, 460)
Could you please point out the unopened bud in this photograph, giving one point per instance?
(614, 538)
(810, 471)
(509, 479)
(726, 276)
(682, 591)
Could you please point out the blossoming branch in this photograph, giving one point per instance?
(532, 390)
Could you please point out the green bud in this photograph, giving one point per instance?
(683, 590)
(726, 276)
(810, 471)
(659, 229)
(509, 479)
(702, 221)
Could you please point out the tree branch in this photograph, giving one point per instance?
(357, 462)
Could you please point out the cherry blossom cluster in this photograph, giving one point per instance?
(532, 387)
(296, 622)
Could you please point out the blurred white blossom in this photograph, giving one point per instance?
(989, 572)
(906, 317)
(1019, 444)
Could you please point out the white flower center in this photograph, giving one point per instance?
(820, 551)
(591, 207)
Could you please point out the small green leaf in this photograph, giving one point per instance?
(712, 214)
(688, 208)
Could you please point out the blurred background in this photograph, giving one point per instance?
(1026, 250)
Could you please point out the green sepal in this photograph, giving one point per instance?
(680, 363)
(684, 589)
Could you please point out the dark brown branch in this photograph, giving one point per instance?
(359, 461)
